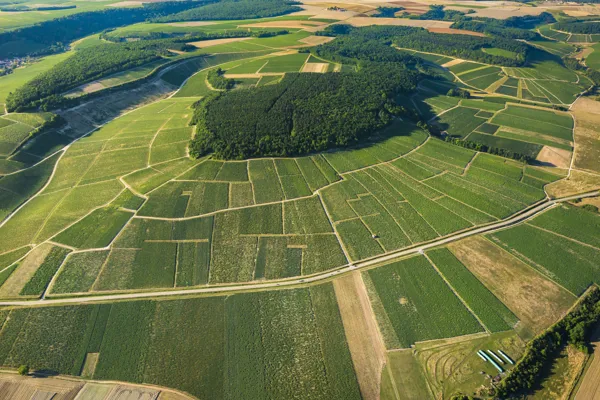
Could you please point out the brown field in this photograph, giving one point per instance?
(559, 158)
(315, 67)
(316, 40)
(589, 388)
(356, 7)
(364, 339)
(503, 13)
(16, 387)
(285, 24)
(456, 61)
(15, 282)
(577, 182)
(455, 31)
(587, 136)
(535, 300)
(202, 44)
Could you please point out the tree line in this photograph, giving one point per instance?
(84, 66)
(55, 34)
(234, 9)
(460, 46)
(118, 37)
(302, 114)
(587, 28)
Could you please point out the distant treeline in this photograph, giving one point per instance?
(461, 46)
(578, 27)
(22, 8)
(304, 113)
(56, 33)
(234, 9)
(86, 65)
(111, 36)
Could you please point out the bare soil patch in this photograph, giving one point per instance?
(455, 31)
(456, 61)
(16, 387)
(587, 135)
(315, 67)
(364, 339)
(202, 44)
(535, 300)
(316, 40)
(558, 157)
(578, 182)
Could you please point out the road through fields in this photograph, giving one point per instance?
(419, 249)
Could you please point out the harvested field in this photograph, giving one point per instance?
(455, 31)
(456, 61)
(202, 44)
(315, 67)
(536, 301)
(364, 339)
(284, 24)
(26, 269)
(16, 387)
(559, 158)
(589, 389)
(577, 182)
(316, 40)
(504, 13)
(587, 114)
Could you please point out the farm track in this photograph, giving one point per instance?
(304, 281)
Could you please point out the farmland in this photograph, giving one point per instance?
(321, 204)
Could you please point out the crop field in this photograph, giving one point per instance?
(250, 343)
(418, 304)
(567, 260)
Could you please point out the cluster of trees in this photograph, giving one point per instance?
(234, 9)
(112, 36)
(84, 66)
(439, 13)
(587, 28)
(573, 329)
(373, 40)
(55, 34)
(458, 92)
(304, 113)
(218, 81)
(387, 12)
(486, 149)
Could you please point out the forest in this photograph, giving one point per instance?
(578, 27)
(86, 65)
(304, 113)
(66, 29)
(234, 9)
(461, 46)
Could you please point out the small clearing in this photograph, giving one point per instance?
(315, 67)
(316, 40)
(456, 61)
(202, 44)
(557, 157)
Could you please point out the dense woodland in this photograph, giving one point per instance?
(86, 65)
(234, 9)
(63, 30)
(461, 46)
(578, 27)
(302, 114)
